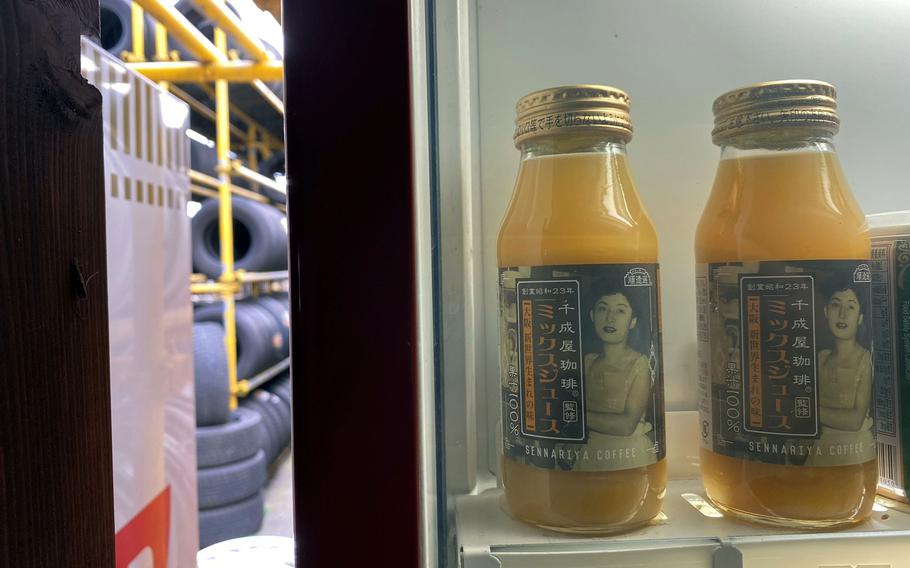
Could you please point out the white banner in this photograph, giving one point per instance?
(146, 158)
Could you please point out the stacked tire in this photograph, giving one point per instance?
(260, 238)
(117, 27)
(234, 449)
(273, 404)
(232, 473)
(262, 331)
(229, 447)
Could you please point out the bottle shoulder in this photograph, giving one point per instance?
(573, 235)
(795, 207)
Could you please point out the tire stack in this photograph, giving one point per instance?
(235, 449)
(229, 447)
(232, 473)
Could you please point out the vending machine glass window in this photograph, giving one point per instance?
(684, 360)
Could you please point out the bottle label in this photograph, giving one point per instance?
(582, 375)
(785, 361)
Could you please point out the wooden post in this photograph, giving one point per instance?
(56, 492)
(353, 283)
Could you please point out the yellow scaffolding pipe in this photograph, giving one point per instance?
(164, 71)
(206, 112)
(138, 25)
(264, 90)
(226, 221)
(181, 28)
(269, 95)
(161, 49)
(254, 177)
(224, 18)
(213, 193)
(249, 277)
(204, 191)
(195, 72)
(214, 288)
(215, 67)
(271, 143)
(203, 179)
(161, 53)
(252, 153)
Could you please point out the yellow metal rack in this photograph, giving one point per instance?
(215, 64)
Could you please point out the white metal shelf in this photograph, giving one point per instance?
(487, 537)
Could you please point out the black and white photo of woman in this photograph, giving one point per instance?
(618, 377)
(844, 377)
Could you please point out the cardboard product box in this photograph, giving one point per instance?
(890, 314)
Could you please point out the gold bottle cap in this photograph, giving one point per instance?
(573, 109)
(773, 105)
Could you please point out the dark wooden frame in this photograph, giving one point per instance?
(56, 475)
(353, 288)
(353, 291)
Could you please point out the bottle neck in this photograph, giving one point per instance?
(552, 146)
(776, 143)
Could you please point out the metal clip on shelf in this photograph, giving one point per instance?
(200, 283)
(214, 288)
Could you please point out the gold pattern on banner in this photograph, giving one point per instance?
(148, 123)
(148, 193)
(126, 118)
(133, 110)
(112, 77)
(137, 86)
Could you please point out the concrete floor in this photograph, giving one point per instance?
(279, 500)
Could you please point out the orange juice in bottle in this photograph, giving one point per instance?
(784, 341)
(582, 376)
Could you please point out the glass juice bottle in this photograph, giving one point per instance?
(582, 377)
(783, 289)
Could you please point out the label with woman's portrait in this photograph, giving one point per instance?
(582, 375)
(785, 361)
